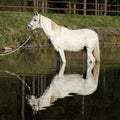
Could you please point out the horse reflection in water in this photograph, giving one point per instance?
(64, 84)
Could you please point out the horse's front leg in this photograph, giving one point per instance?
(56, 52)
(62, 55)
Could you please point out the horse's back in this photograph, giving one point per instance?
(80, 33)
(86, 32)
(90, 36)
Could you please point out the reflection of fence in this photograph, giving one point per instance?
(37, 83)
(58, 6)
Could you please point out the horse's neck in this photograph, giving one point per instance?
(48, 26)
(50, 95)
(46, 99)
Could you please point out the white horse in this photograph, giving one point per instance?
(64, 39)
(64, 84)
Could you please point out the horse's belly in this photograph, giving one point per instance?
(74, 46)
(72, 42)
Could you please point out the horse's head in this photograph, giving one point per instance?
(35, 22)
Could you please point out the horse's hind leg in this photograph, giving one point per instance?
(90, 57)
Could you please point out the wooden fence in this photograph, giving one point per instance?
(52, 6)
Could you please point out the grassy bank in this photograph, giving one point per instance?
(13, 27)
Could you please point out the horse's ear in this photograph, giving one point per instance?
(35, 13)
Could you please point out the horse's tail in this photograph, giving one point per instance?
(96, 52)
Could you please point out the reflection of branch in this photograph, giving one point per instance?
(22, 80)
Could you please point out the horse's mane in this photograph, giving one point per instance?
(54, 26)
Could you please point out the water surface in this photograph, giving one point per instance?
(32, 75)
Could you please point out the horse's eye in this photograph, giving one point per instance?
(35, 20)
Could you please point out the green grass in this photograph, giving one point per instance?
(13, 26)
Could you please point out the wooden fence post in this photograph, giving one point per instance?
(84, 7)
(74, 8)
(46, 4)
(43, 4)
(96, 7)
(69, 7)
(105, 8)
(36, 5)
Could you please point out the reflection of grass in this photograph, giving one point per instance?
(38, 61)
(29, 62)
(13, 26)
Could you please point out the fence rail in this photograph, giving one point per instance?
(50, 6)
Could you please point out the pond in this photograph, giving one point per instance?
(33, 87)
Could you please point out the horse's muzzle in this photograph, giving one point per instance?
(29, 27)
